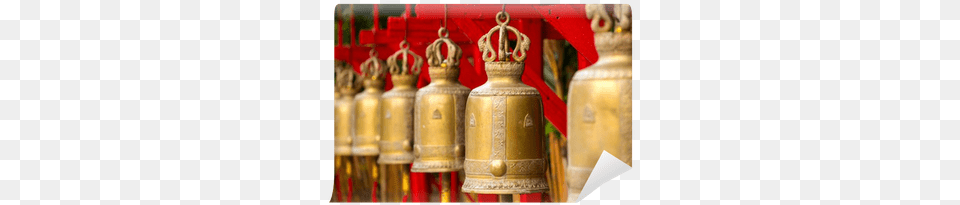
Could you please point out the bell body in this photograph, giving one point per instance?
(344, 123)
(599, 110)
(396, 145)
(439, 118)
(367, 135)
(504, 135)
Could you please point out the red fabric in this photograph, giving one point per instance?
(487, 197)
(374, 191)
(349, 188)
(336, 186)
(534, 197)
(454, 187)
(418, 187)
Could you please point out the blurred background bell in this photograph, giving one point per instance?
(600, 106)
(366, 138)
(347, 85)
(396, 146)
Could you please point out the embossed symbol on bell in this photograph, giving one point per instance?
(388, 115)
(498, 168)
(437, 115)
(587, 114)
(473, 120)
(527, 121)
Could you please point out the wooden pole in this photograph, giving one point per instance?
(505, 197)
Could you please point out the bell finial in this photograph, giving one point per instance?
(435, 57)
(372, 68)
(518, 54)
(402, 66)
(348, 81)
(598, 12)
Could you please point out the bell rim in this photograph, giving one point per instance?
(540, 182)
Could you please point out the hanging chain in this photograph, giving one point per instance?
(444, 16)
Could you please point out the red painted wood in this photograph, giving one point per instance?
(374, 191)
(418, 187)
(476, 11)
(571, 22)
(454, 187)
(339, 33)
(486, 197)
(376, 16)
(534, 197)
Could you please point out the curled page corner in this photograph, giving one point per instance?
(607, 168)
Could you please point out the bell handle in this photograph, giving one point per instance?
(435, 56)
(597, 12)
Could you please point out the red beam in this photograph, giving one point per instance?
(572, 23)
(476, 11)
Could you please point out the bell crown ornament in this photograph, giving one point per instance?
(503, 53)
(348, 81)
(444, 68)
(403, 73)
(373, 71)
(612, 35)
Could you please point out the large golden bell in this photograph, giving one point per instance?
(347, 85)
(599, 108)
(438, 144)
(504, 128)
(367, 136)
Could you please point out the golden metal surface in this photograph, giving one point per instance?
(366, 139)
(504, 128)
(396, 146)
(599, 108)
(439, 108)
(347, 84)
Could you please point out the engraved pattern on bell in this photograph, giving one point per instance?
(599, 106)
(347, 84)
(438, 107)
(368, 108)
(397, 104)
(504, 148)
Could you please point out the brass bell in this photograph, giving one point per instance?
(347, 85)
(439, 138)
(367, 137)
(600, 107)
(504, 126)
(396, 146)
